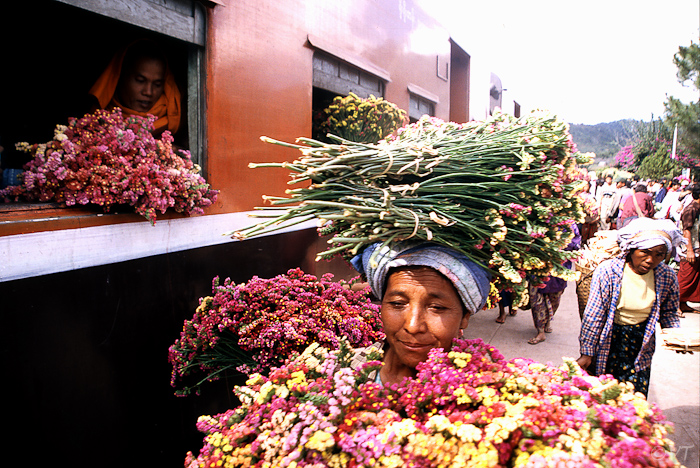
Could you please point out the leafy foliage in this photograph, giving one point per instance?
(687, 116)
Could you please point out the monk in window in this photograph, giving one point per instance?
(139, 81)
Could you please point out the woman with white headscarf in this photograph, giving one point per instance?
(629, 295)
(428, 292)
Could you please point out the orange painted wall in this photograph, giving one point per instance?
(259, 78)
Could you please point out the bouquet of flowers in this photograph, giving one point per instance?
(253, 326)
(362, 120)
(465, 407)
(500, 191)
(105, 159)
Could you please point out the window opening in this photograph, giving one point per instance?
(55, 63)
(333, 77)
(418, 107)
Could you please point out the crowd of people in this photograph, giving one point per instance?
(613, 204)
(655, 279)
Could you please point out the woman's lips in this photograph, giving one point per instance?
(415, 346)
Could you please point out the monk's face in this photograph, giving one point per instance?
(140, 87)
(421, 310)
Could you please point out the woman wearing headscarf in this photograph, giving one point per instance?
(629, 295)
(139, 81)
(427, 292)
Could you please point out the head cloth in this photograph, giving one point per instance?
(471, 281)
(645, 233)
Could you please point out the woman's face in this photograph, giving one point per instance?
(421, 310)
(140, 87)
(644, 260)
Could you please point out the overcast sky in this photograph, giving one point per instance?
(587, 61)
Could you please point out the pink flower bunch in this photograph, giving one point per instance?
(256, 325)
(105, 159)
(466, 407)
(625, 157)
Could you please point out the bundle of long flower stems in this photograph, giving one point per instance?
(498, 190)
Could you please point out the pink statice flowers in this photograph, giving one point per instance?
(108, 160)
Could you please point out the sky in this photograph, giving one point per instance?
(587, 61)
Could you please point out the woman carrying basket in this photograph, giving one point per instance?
(629, 295)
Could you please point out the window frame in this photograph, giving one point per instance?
(184, 20)
(420, 99)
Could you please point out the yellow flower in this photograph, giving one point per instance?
(320, 440)
(468, 433)
(500, 429)
(462, 397)
(399, 429)
(266, 391)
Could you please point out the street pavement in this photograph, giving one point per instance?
(675, 378)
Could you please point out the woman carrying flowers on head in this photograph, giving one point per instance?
(139, 81)
(629, 295)
(428, 292)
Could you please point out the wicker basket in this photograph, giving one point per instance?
(583, 288)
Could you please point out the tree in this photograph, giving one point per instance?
(650, 155)
(687, 116)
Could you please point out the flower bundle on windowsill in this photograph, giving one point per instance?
(479, 187)
(362, 120)
(253, 326)
(106, 159)
(465, 408)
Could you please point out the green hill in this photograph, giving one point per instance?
(603, 139)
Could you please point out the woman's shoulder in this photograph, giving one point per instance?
(614, 264)
(665, 270)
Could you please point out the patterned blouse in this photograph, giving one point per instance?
(596, 328)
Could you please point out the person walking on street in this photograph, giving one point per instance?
(629, 295)
(638, 205)
(668, 200)
(689, 272)
(605, 195)
(661, 192)
(544, 302)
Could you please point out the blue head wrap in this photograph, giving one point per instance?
(471, 280)
(644, 233)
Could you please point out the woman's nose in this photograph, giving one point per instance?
(415, 319)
